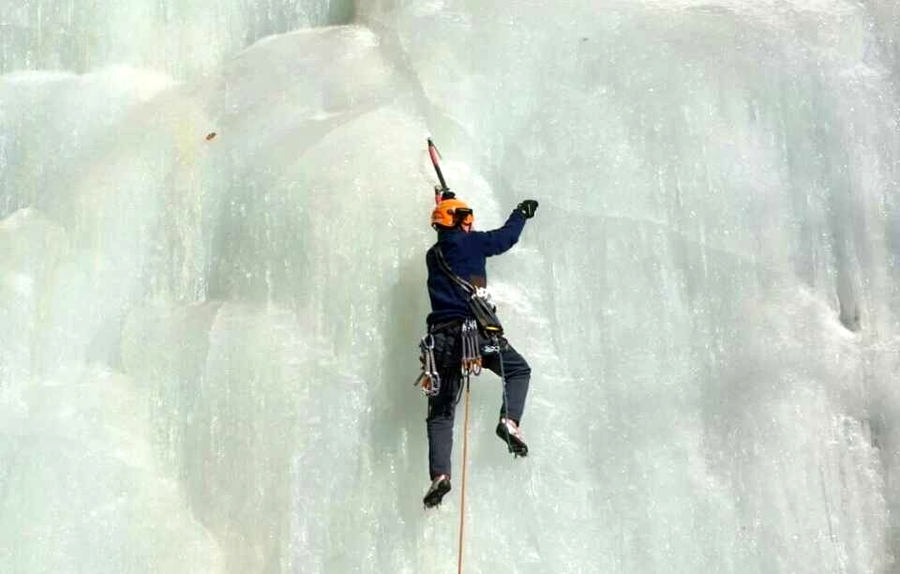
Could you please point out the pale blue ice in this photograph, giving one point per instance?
(213, 220)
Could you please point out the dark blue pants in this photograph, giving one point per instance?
(441, 408)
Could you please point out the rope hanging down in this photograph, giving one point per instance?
(470, 365)
(462, 496)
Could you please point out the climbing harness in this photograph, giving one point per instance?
(428, 379)
(470, 364)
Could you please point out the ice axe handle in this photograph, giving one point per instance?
(435, 155)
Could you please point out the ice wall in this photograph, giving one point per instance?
(181, 38)
(212, 287)
(886, 17)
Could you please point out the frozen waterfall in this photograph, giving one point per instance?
(213, 220)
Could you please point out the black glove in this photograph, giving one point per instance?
(527, 208)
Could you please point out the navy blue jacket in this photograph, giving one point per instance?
(465, 253)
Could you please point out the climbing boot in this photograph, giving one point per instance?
(509, 432)
(439, 487)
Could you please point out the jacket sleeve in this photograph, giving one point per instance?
(498, 240)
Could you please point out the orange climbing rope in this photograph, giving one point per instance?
(462, 499)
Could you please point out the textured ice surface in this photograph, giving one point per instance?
(212, 284)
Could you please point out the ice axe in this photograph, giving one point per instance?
(435, 161)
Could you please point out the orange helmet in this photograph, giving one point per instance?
(450, 213)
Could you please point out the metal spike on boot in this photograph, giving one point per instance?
(509, 432)
(439, 487)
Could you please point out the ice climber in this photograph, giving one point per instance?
(464, 252)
